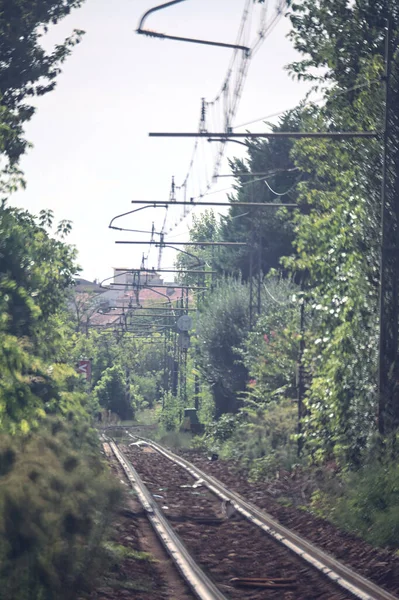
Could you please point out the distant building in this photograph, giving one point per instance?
(96, 306)
(130, 277)
(83, 285)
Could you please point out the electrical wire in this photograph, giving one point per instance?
(229, 113)
(283, 193)
(230, 92)
(275, 299)
(309, 103)
(224, 105)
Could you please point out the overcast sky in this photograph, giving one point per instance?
(92, 154)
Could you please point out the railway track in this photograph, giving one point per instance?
(201, 585)
(344, 582)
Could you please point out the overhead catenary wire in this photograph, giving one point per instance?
(230, 93)
(281, 193)
(309, 103)
(275, 299)
(227, 88)
(224, 88)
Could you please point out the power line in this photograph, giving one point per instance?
(282, 193)
(183, 244)
(271, 134)
(304, 105)
(151, 33)
(156, 203)
(231, 102)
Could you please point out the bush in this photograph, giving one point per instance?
(366, 502)
(263, 440)
(111, 393)
(271, 350)
(171, 414)
(56, 501)
(222, 328)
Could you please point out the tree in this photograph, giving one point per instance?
(26, 69)
(267, 175)
(271, 350)
(338, 228)
(222, 327)
(204, 228)
(35, 272)
(112, 394)
(83, 307)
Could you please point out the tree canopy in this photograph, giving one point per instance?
(26, 69)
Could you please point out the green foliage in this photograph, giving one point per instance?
(120, 552)
(171, 413)
(35, 272)
(270, 441)
(266, 231)
(337, 229)
(271, 350)
(204, 228)
(262, 439)
(262, 436)
(365, 502)
(221, 329)
(341, 299)
(112, 393)
(56, 502)
(337, 38)
(141, 363)
(26, 69)
(221, 430)
(206, 402)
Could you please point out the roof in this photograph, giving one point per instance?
(119, 300)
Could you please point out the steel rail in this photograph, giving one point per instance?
(340, 574)
(200, 584)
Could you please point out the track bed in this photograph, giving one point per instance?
(226, 545)
(376, 564)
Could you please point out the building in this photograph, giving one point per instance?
(130, 277)
(99, 306)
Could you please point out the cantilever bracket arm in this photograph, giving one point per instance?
(179, 38)
(130, 212)
(185, 252)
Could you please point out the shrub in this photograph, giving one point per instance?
(56, 501)
(366, 502)
(262, 439)
(171, 414)
(222, 328)
(112, 394)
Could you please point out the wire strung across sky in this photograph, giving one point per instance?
(200, 176)
(219, 113)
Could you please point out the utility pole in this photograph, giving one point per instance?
(388, 367)
(251, 278)
(301, 375)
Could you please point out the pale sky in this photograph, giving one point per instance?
(92, 154)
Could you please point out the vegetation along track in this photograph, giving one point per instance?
(233, 547)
